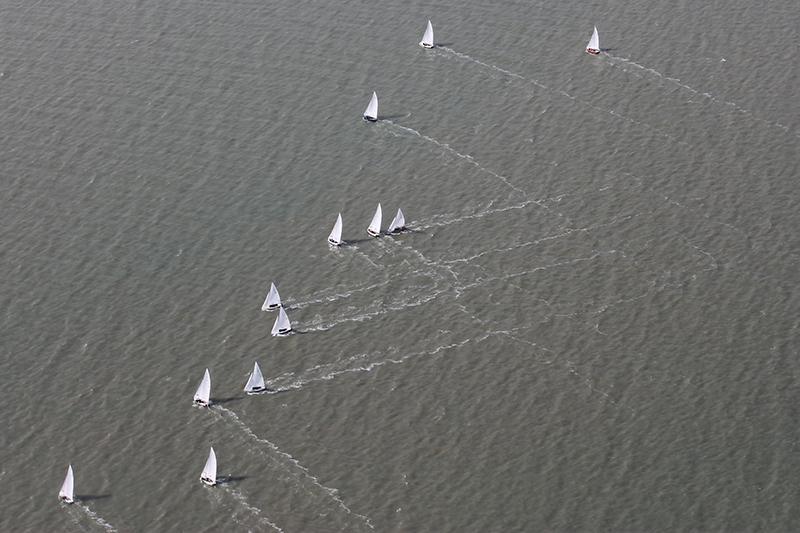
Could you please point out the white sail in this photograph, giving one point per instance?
(427, 39)
(273, 300)
(282, 325)
(398, 222)
(594, 42)
(66, 494)
(374, 228)
(335, 237)
(256, 381)
(371, 113)
(209, 475)
(203, 394)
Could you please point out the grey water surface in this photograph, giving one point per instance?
(592, 326)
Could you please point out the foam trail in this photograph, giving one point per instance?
(332, 493)
(329, 295)
(468, 158)
(255, 511)
(561, 92)
(445, 220)
(97, 519)
(505, 277)
(556, 236)
(321, 325)
(710, 97)
(365, 362)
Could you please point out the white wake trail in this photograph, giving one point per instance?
(241, 499)
(304, 472)
(365, 362)
(703, 94)
(94, 517)
(561, 92)
(468, 158)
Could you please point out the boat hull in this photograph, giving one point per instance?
(334, 243)
(373, 233)
(65, 499)
(370, 119)
(257, 391)
(272, 307)
(593, 51)
(282, 332)
(201, 403)
(208, 481)
(426, 45)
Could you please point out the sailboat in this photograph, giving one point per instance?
(371, 113)
(398, 223)
(203, 394)
(273, 300)
(282, 325)
(594, 43)
(256, 382)
(374, 228)
(67, 494)
(209, 475)
(427, 39)
(335, 238)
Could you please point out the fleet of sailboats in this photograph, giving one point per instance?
(203, 395)
(255, 383)
(67, 492)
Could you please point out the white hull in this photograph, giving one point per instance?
(593, 51)
(208, 481)
(373, 233)
(201, 403)
(65, 499)
(426, 45)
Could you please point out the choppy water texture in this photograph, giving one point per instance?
(593, 326)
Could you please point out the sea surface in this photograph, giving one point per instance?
(593, 323)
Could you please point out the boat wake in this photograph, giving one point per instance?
(468, 158)
(241, 500)
(299, 470)
(561, 92)
(96, 519)
(615, 60)
(365, 362)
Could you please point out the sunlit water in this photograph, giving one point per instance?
(592, 324)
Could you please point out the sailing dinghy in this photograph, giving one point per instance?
(335, 238)
(398, 223)
(203, 394)
(273, 300)
(427, 39)
(594, 43)
(374, 228)
(371, 113)
(209, 475)
(256, 382)
(67, 494)
(282, 325)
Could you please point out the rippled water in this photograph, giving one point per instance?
(593, 324)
